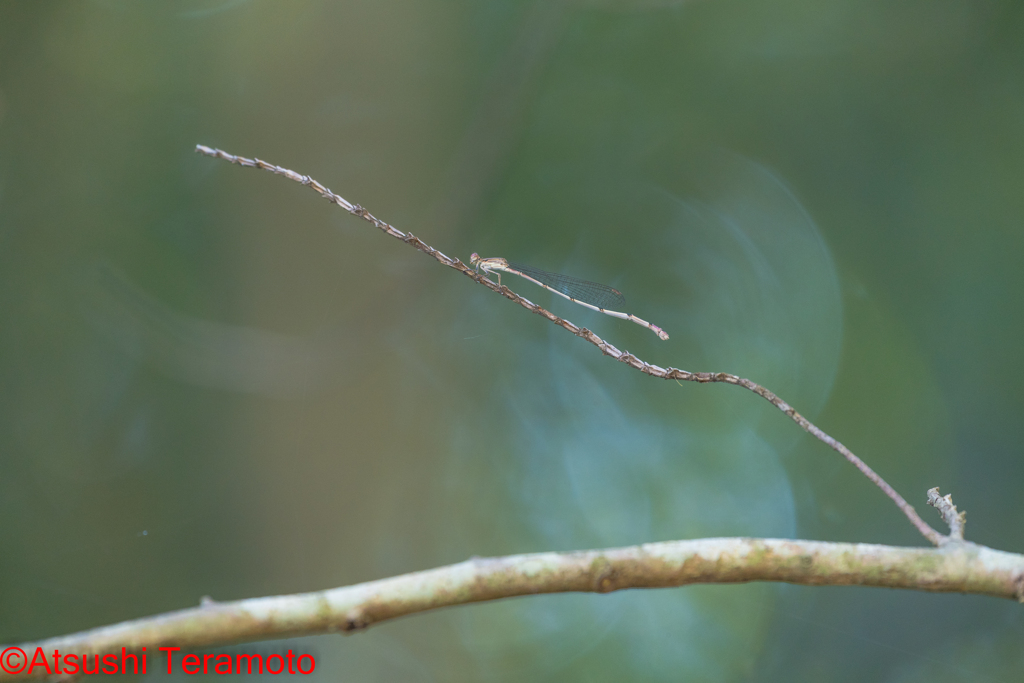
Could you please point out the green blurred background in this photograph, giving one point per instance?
(212, 382)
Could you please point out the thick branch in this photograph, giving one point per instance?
(956, 567)
(624, 356)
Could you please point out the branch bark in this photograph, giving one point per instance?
(960, 567)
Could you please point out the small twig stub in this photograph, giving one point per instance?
(954, 519)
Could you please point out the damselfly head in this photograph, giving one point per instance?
(474, 259)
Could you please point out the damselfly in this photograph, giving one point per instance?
(590, 294)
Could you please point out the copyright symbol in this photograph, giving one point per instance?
(13, 660)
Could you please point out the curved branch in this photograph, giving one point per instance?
(623, 356)
(957, 567)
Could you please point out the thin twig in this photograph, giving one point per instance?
(623, 356)
(961, 568)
